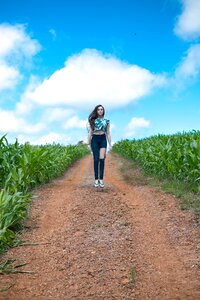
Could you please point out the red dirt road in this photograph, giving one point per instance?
(119, 242)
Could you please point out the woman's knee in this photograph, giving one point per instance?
(102, 160)
(103, 157)
(102, 153)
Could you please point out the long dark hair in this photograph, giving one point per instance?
(94, 115)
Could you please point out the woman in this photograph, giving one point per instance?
(99, 132)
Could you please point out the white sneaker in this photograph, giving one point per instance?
(101, 183)
(96, 183)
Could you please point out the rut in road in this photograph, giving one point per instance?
(116, 242)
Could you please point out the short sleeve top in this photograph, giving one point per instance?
(101, 124)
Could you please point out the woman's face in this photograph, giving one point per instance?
(100, 111)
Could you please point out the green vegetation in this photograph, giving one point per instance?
(6, 267)
(132, 277)
(176, 157)
(23, 167)
(136, 176)
(169, 161)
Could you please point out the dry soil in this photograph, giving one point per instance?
(122, 241)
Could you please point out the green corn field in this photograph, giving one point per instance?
(176, 157)
(23, 167)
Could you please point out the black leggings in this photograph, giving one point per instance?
(97, 142)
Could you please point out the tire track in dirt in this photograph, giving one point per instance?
(92, 240)
(166, 240)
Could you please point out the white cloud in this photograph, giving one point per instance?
(49, 138)
(56, 114)
(188, 28)
(14, 39)
(25, 105)
(33, 128)
(53, 33)
(112, 126)
(135, 124)
(11, 123)
(188, 23)
(75, 122)
(54, 137)
(91, 77)
(17, 48)
(8, 76)
(189, 67)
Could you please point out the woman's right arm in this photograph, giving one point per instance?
(109, 137)
(89, 136)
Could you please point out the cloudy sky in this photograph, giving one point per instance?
(59, 59)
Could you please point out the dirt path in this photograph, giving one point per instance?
(120, 242)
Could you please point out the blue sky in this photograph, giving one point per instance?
(59, 59)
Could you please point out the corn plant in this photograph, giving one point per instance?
(168, 156)
(23, 167)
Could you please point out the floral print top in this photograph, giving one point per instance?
(101, 124)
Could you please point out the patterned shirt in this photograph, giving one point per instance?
(101, 124)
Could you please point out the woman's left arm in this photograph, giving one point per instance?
(109, 136)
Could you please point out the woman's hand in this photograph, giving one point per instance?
(110, 148)
(89, 147)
